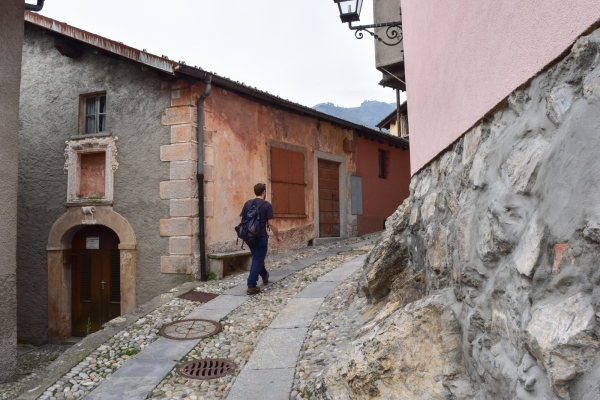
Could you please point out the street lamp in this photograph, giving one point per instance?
(347, 13)
(350, 12)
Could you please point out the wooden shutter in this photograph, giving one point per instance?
(287, 182)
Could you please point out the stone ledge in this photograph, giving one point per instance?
(231, 254)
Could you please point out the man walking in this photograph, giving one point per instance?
(260, 247)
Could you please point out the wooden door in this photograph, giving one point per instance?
(95, 279)
(329, 199)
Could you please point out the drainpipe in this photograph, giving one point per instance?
(399, 134)
(200, 177)
(36, 8)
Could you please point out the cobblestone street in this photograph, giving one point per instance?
(242, 330)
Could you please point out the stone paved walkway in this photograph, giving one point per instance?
(141, 374)
(269, 374)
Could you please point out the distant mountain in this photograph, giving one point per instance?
(368, 114)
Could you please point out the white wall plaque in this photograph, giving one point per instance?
(92, 243)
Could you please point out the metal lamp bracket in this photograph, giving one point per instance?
(393, 32)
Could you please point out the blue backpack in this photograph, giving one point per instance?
(249, 229)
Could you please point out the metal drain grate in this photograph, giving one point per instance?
(206, 369)
(189, 329)
(202, 297)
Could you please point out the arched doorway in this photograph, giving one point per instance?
(95, 279)
(72, 229)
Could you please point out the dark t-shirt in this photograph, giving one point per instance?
(265, 210)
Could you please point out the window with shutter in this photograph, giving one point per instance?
(287, 182)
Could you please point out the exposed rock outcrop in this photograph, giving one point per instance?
(413, 353)
(486, 283)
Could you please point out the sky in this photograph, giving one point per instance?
(296, 49)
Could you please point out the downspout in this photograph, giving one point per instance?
(200, 177)
(399, 134)
(36, 8)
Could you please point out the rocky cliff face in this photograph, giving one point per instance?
(486, 284)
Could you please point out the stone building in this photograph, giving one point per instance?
(109, 166)
(486, 284)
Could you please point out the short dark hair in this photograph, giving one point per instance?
(259, 188)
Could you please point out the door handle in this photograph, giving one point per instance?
(102, 283)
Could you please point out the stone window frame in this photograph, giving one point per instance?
(73, 151)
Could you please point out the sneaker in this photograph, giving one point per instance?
(253, 290)
(266, 279)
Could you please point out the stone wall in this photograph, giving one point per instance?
(11, 42)
(500, 241)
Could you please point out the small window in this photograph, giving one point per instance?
(382, 163)
(93, 112)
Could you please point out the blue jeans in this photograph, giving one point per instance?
(259, 252)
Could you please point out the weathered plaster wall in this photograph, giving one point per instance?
(505, 227)
(11, 41)
(463, 58)
(51, 86)
(236, 148)
(381, 196)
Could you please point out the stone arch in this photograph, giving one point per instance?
(59, 268)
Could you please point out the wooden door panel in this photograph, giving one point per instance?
(326, 164)
(81, 282)
(329, 205)
(328, 194)
(329, 230)
(94, 279)
(328, 174)
(329, 217)
(329, 184)
(329, 199)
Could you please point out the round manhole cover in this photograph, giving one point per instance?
(206, 369)
(188, 329)
(202, 297)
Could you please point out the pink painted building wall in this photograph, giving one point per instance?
(465, 56)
